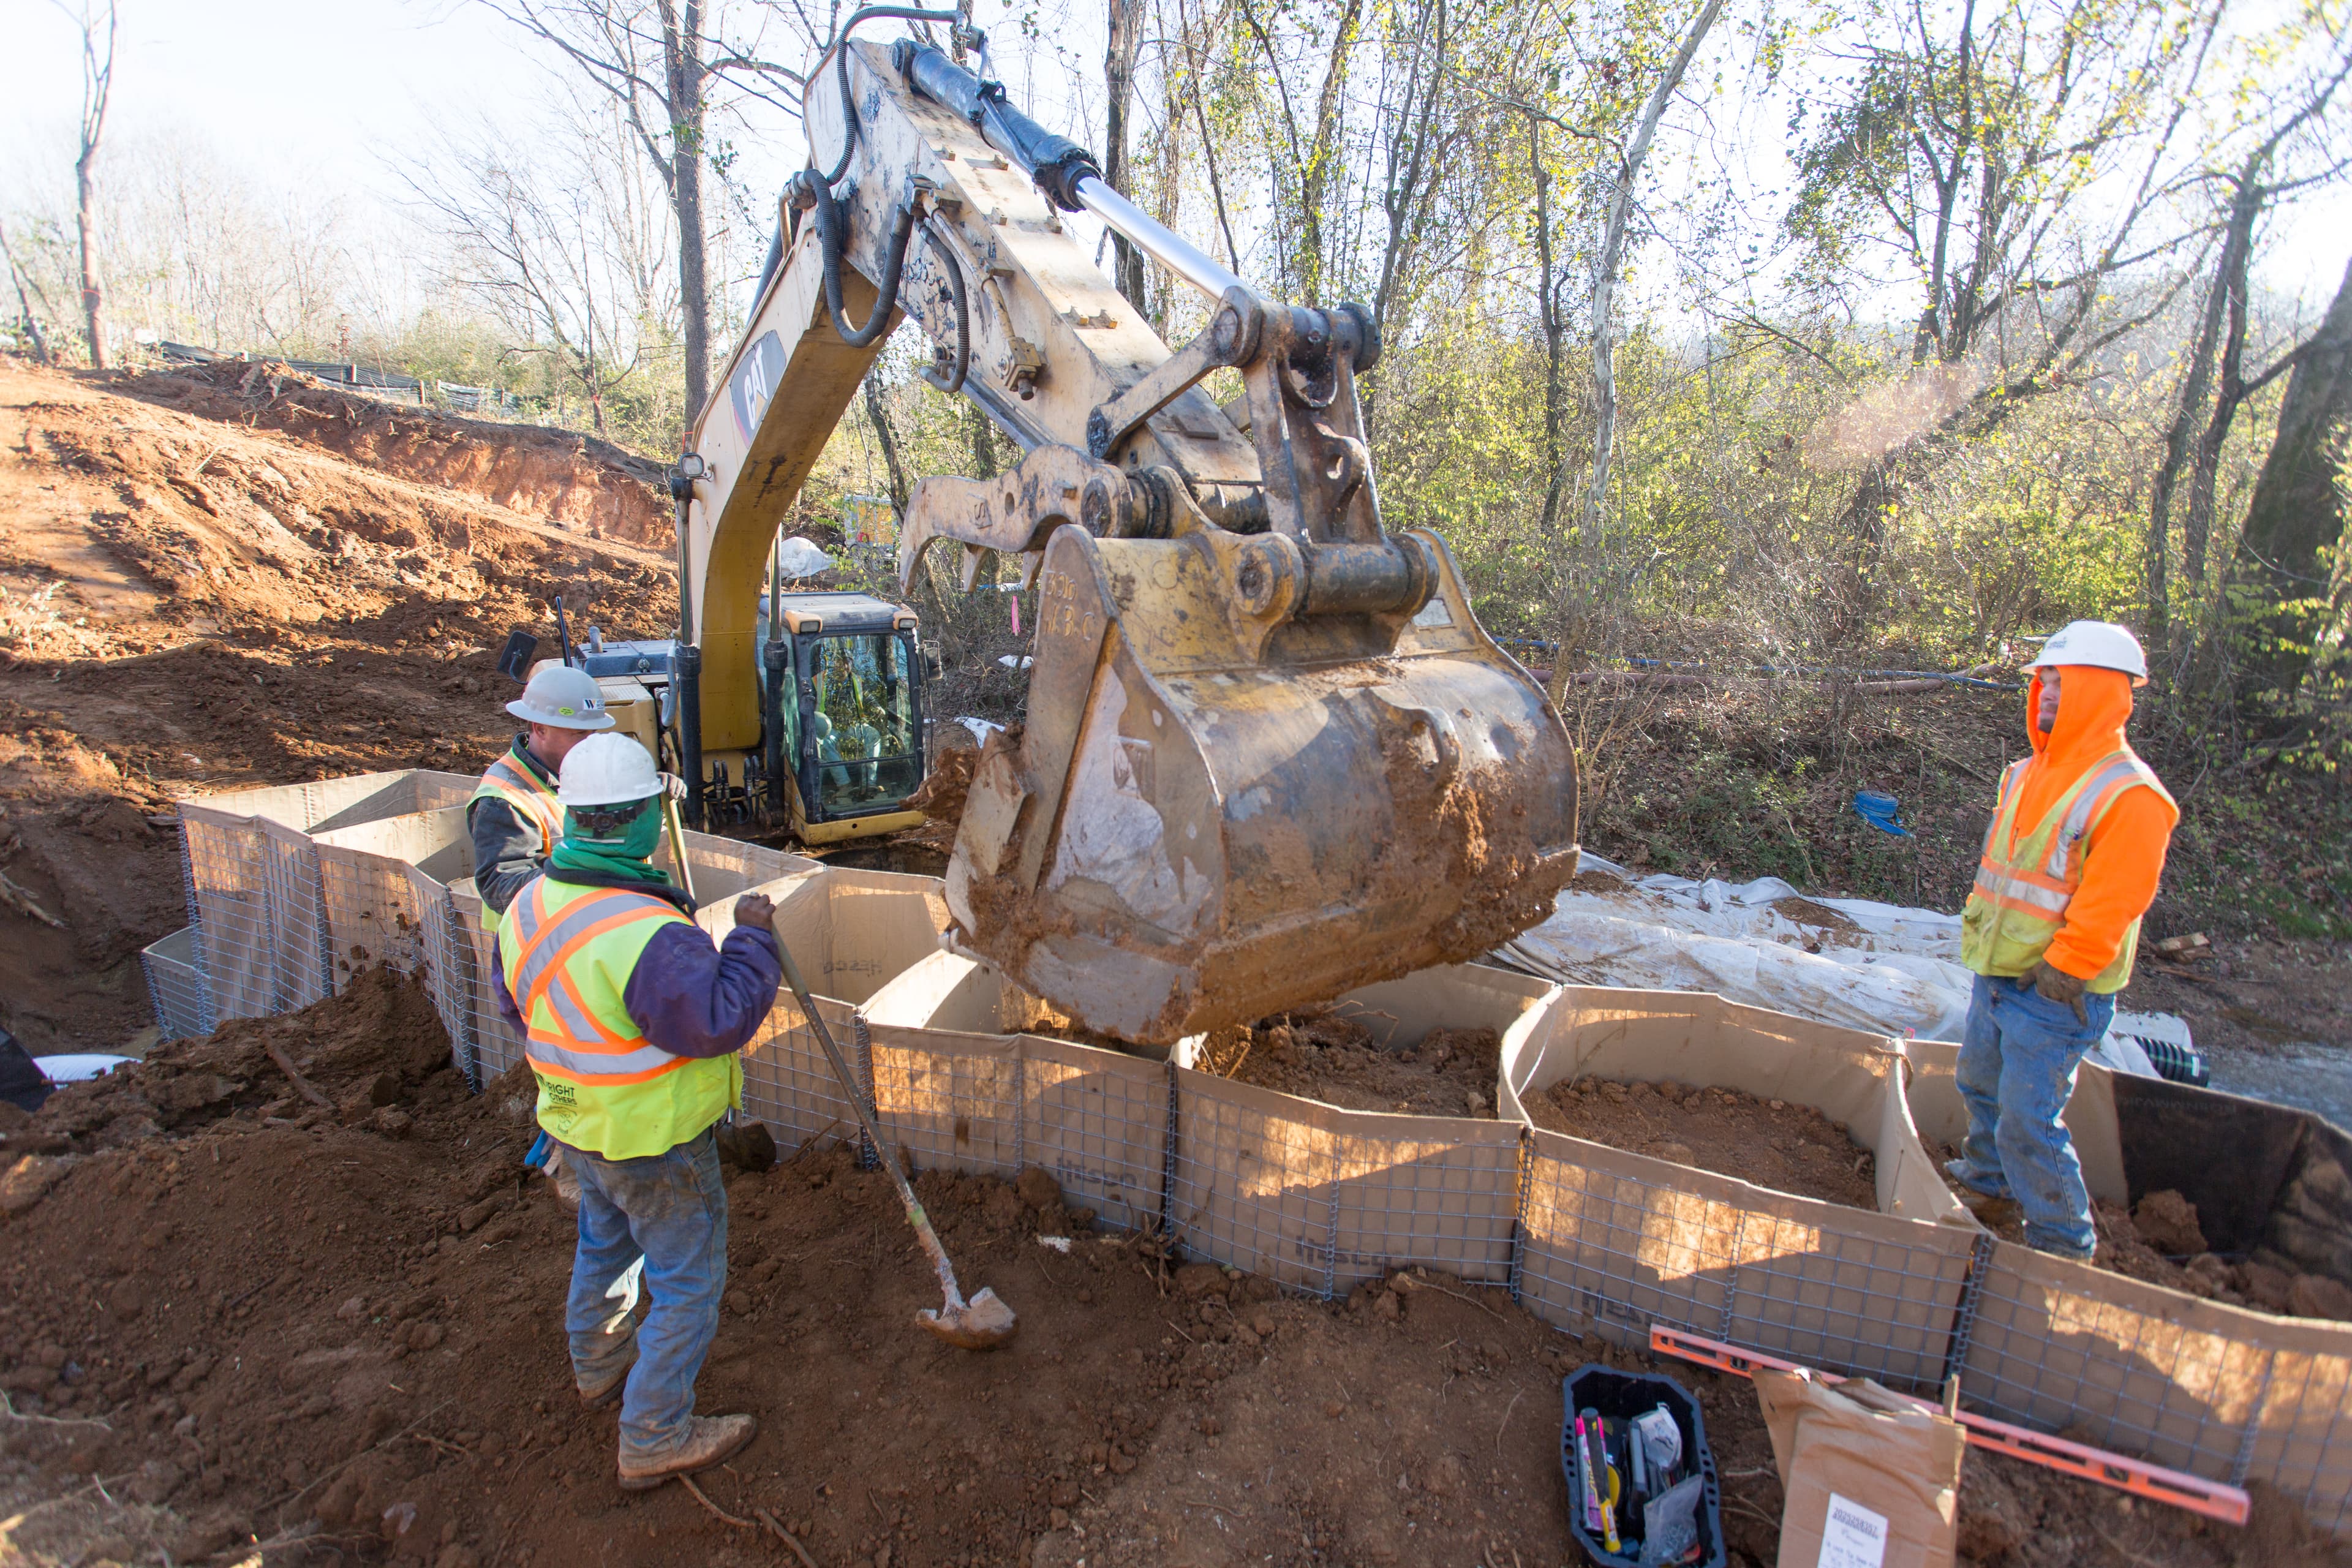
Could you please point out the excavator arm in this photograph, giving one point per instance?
(1270, 753)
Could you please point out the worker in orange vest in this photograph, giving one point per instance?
(2071, 863)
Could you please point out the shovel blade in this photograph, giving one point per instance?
(982, 1323)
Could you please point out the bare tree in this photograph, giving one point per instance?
(657, 61)
(2254, 188)
(1606, 266)
(568, 255)
(2010, 161)
(1118, 74)
(97, 87)
(31, 322)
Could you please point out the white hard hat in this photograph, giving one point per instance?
(607, 770)
(562, 697)
(2102, 644)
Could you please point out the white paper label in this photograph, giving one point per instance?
(1851, 1536)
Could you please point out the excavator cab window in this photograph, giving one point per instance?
(862, 723)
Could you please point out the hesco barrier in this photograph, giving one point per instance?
(175, 986)
(1617, 1241)
(253, 880)
(1311, 1196)
(1589, 1239)
(2222, 1391)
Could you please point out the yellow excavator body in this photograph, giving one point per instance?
(1269, 754)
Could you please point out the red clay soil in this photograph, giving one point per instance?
(188, 606)
(1776, 1143)
(229, 1317)
(1329, 1057)
(561, 475)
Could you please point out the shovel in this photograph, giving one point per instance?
(985, 1322)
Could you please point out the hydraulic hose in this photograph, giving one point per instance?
(839, 48)
(953, 381)
(829, 238)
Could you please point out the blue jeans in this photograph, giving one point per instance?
(671, 1209)
(2017, 1057)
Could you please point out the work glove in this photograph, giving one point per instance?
(673, 787)
(2054, 985)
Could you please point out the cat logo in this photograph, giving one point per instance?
(754, 382)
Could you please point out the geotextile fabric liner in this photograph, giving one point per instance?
(1652, 1036)
(379, 882)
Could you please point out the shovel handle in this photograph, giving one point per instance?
(678, 844)
(881, 1141)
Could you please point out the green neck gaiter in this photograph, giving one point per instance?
(628, 852)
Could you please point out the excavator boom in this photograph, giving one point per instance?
(1270, 753)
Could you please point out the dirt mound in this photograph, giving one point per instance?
(941, 795)
(337, 1331)
(294, 1318)
(557, 476)
(188, 606)
(1331, 1058)
(1775, 1143)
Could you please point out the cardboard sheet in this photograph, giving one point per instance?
(1870, 1481)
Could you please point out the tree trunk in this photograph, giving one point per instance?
(1118, 74)
(885, 437)
(1550, 316)
(2205, 467)
(2195, 388)
(97, 89)
(682, 47)
(2297, 515)
(85, 169)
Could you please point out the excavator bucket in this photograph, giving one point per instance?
(1215, 813)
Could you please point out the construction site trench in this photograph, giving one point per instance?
(237, 1323)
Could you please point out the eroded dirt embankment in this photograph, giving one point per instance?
(190, 604)
(558, 475)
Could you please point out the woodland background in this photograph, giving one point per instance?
(1792, 342)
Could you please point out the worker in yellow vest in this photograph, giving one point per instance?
(632, 1018)
(2071, 863)
(513, 817)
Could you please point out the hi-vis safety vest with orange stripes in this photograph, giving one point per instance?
(568, 953)
(532, 798)
(2025, 882)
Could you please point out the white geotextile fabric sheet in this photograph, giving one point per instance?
(1897, 971)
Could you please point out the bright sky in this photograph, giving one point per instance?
(318, 90)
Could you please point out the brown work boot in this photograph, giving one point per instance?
(709, 1439)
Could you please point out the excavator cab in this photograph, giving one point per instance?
(841, 690)
(1269, 752)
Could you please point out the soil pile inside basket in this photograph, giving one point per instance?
(1775, 1143)
(337, 1331)
(2159, 1241)
(1331, 1057)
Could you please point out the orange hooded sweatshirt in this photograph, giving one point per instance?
(2124, 854)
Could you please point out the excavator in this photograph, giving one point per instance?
(1269, 754)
